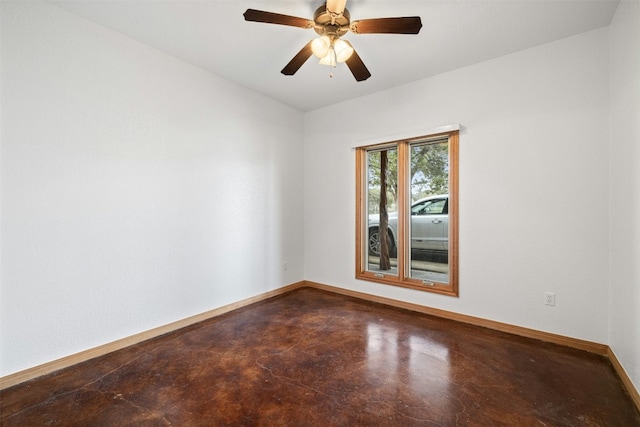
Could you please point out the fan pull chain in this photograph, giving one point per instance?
(334, 59)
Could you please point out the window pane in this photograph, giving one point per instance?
(429, 225)
(412, 185)
(382, 211)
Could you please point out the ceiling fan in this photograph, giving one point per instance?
(331, 21)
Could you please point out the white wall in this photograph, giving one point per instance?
(533, 184)
(118, 163)
(624, 205)
(136, 189)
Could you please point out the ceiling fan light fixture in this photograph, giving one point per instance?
(320, 46)
(330, 58)
(343, 50)
(331, 21)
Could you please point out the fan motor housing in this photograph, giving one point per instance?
(327, 24)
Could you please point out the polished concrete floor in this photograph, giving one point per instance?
(313, 358)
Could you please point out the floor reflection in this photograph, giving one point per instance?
(419, 363)
(382, 350)
(429, 369)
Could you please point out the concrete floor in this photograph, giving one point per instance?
(313, 358)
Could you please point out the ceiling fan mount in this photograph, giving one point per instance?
(331, 21)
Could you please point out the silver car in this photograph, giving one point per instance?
(429, 226)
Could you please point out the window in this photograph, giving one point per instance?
(407, 216)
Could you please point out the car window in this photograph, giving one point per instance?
(418, 208)
(429, 207)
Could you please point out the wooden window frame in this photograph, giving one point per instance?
(403, 254)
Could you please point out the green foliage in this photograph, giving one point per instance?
(429, 170)
(429, 173)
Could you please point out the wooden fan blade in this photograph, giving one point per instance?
(405, 25)
(276, 18)
(357, 67)
(297, 61)
(336, 6)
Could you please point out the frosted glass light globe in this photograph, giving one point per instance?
(320, 46)
(343, 50)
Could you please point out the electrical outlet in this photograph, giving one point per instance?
(284, 266)
(549, 298)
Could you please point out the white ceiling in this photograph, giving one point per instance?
(213, 35)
